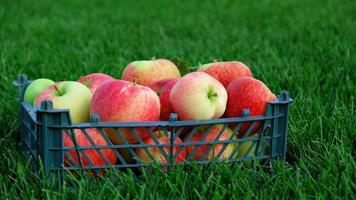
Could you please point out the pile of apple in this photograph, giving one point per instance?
(151, 91)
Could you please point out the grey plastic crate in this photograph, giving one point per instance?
(43, 129)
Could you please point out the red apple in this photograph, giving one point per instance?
(163, 89)
(93, 81)
(158, 85)
(147, 72)
(122, 101)
(212, 136)
(226, 72)
(198, 96)
(248, 93)
(92, 154)
(157, 152)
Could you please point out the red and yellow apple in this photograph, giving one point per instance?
(198, 96)
(157, 152)
(163, 89)
(95, 80)
(70, 95)
(147, 72)
(226, 72)
(93, 154)
(248, 93)
(123, 101)
(200, 152)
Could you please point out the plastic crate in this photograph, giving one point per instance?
(43, 129)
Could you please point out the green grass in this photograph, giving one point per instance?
(306, 47)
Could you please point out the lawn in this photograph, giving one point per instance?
(306, 47)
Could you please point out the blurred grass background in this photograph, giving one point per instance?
(306, 47)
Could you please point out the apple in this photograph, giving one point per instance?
(95, 80)
(163, 89)
(70, 95)
(198, 96)
(245, 151)
(157, 152)
(226, 72)
(123, 101)
(212, 136)
(92, 154)
(184, 131)
(35, 88)
(147, 72)
(166, 107)
(248, 93)
(159, 85)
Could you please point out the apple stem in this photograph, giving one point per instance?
(57, 89)
(134, 81)
(213, 95)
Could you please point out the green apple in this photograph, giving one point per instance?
(246, 152)
(35, 88)
(70, 95)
